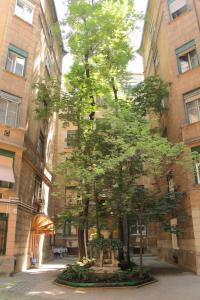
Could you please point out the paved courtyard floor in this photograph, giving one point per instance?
(173, 284)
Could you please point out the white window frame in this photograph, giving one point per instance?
(14, 63)
(170, 3)
(11, 99)
(188, 54)
(197, 169)
(144, 232)
(27, 4)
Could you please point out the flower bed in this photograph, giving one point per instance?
(79, 276)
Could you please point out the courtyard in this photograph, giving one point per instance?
(173, 284)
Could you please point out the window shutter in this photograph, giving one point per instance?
(9, 97)
(176, 5)
(191, 96)
(186, 46)
(18, 51)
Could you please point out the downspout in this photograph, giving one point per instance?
(196, 14)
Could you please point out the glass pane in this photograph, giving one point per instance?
(193, 113)
(19, 8)
(3, 105)
(3, 233)
(193, 58)
(19, 66)
(12, 114)
(10, 61)
(184, 63)
(28, 14)
(71, 138)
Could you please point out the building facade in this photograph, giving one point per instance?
(171, 49)
(66, 232)
(29, 52)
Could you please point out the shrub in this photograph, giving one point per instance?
(124, 265)
(77, 273)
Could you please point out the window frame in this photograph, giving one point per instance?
(27, 4)
(192, 96)
(4, 217)
(186, 49)
(137, 226)
(169, 2)
(10, 154)
(196, 164)
(41, 143)
(37, 183)
(19, 53)
(13, 99)
(71, 145)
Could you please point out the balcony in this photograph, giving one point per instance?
(12, 135)
(191, 133)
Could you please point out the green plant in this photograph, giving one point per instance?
(125, 265)
(101, 244)
(77, 273)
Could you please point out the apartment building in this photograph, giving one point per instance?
(29, 52)
(66, 236)
(171, 49)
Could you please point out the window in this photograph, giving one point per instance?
(187, 58)
(24, 10)
(170, 181)
(16, 60)
(40, 145)
(156, 59)
(152, 28)
(135, 229)
(70, 195)
(192, 106)
(173, 223)
(71, 138)
(3, 232)
(196, 162)
(49, 62)
(38, 189)
(9, 109)
(177, 7)
(69, 229)
(7, 178)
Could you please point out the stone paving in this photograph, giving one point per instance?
(173, 284)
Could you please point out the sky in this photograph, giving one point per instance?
(135, 66)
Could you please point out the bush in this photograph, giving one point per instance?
(77, 273)
(124, 265)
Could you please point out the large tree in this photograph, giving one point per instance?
(106, 161)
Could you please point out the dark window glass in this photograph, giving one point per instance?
(3, 232)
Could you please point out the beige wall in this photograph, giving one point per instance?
(35, 40)
(168, 36)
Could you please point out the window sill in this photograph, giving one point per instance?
(190, 124)
(186, 72)
(23, 20)
(15, 75)
(7, 126)
(171, 21)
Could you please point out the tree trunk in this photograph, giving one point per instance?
(85, 243)
(141, 247)
(121, 237)
(97, 209)
(128, 242)
(81, 245)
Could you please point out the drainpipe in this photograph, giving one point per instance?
(195, 10)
